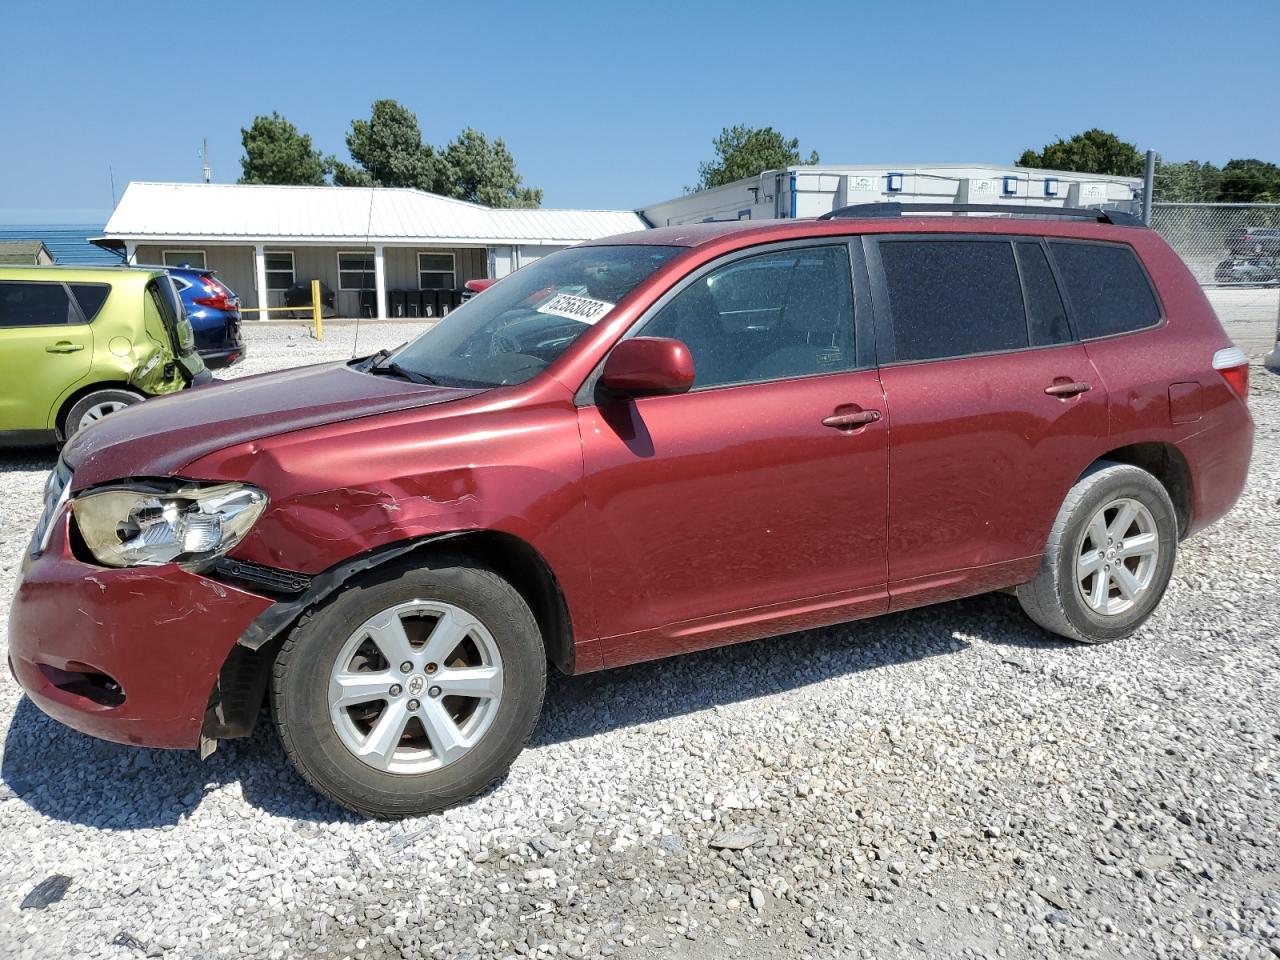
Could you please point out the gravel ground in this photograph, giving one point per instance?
(276, 345)
(941, 783)
(1250, 314)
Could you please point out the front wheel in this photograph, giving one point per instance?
(1109, 556)
(412, 694)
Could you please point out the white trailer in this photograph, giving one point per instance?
(810, 191)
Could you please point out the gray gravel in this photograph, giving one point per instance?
(275, 345)
(941, 783)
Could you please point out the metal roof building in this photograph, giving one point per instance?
(66, 243)
(28, 253)
(366, 244)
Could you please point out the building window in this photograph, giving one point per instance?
(279, 269)
(436, 271)
(183, 258)
(355, 271)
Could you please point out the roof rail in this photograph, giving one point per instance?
(859, 210)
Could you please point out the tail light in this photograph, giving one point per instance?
(1234, 367)
(219, 298)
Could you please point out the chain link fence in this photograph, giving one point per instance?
(1233, 249)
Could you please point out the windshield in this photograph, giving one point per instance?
(511, 331)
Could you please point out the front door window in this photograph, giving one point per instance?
(777, 315)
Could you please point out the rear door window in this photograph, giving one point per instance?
(953, 298)
(1107, 287)
(35, 304)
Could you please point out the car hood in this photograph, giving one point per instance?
(159, 437)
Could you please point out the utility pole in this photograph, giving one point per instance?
(1148, 186)
(208, 175)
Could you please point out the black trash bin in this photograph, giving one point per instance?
(395, 308)
(412, 303)
(368, 304)
(448, 300)
(439, 303)
(299, 295)
(429, 307)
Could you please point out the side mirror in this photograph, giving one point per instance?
(645, 366)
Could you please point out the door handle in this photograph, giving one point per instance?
(1068, 389)
(851, 421)
(64, 346)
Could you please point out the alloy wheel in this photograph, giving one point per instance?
(1117, 557)
(415, 687)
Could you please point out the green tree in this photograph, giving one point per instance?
(474, 169)
(389, 151)
(275, 152)
(1094, 151)
(747, 151)
(1188, 181)
(1249, 181)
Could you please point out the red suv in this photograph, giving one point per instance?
(636, 447)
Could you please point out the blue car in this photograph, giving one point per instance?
(214, 311)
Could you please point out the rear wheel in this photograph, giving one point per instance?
(95, 405)
(409, 695)
(1108, 559)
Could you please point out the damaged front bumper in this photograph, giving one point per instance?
(130, 655)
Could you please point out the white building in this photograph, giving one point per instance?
(378, 249)
(810, 191)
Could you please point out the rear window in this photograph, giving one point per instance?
(1107, 287)
(35, 304)
(172, 314)
(952, 298)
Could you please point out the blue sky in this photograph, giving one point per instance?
(614, 105)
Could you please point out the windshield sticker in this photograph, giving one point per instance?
(582, 309)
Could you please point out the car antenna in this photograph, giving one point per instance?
(368, 233)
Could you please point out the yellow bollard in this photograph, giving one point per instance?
(317, 317)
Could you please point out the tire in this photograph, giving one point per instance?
(414, 776)
(1104, 605)
(95, 405)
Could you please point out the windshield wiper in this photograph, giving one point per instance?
(413, 376)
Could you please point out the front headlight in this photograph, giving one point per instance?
(140, 526)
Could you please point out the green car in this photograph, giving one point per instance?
(78, 343)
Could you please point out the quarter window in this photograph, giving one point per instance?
(1046, 316)
(355, 271)
(767, 317)
(1108, 290)
(279, 265)
(35, 304)
(436, 271)
(952, 298)
(91, 297)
